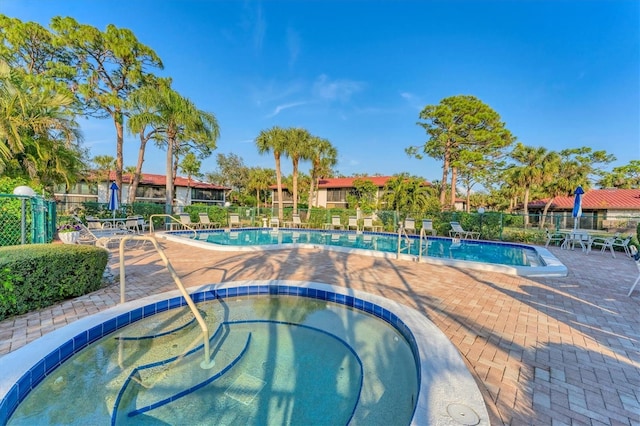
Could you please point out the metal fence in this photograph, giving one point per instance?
(26, 220)
(492, 225)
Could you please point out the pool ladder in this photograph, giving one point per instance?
(207, 362)
(403, 236)
(424, 243)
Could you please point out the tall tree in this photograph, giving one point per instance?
(176, 123)
(626, 176)
(458, 124)
(38, 136)
(260, 179)
(534, 168)
(323, 157)
(109, 66)
(405, 194)
(363, 195)
(297, 147)
(190, 165)
(274, 141)
(231, 172)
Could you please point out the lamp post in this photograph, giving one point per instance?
(481, 213)
(23, 192)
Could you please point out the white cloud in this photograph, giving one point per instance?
(340, 90)
(281, 108)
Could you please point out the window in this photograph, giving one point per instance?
(207, 195)
(151, 192)
(337, 195)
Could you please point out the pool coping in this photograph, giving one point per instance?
(445, 382)
(552, 268)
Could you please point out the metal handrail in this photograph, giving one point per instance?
(207, 362)
(423, 234)
(402, 232)
(173, 218)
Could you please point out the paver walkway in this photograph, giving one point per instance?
(560, 351)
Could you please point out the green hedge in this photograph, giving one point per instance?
(33, 277)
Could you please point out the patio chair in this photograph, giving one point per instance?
(367, 224)
(636, 281)
(297, 222)
(234, 220)
(132, 225)
(353, 223)
(205, 222)
(185, 222)
(274, 222)
(605, 243)
(554, 237)
(621, 242)
(427, 227)
(335, 223)
(457, 231)
(410, 225)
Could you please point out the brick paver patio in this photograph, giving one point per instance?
(560, 351)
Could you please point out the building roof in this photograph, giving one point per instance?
(160, 180)
(597, 199)
(347, 182)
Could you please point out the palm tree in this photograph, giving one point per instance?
(533, 170)
(405, 194)
(190, 165)
(274, 140)
(259, 180)
(323, 157)
(298, 144)
(175, 120)
(38, 137)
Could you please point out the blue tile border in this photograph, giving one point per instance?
(50, 362)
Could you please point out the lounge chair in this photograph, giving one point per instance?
(353, 223)
(410, 225)
(335, 223)
(274, 222)
(100, 237)
(234, 220)
(554, 237)
(367, 224)
(297, 222)
(427, 227)
(458, 232)
(205, 223)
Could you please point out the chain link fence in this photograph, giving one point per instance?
(26, 220)
(40, 219)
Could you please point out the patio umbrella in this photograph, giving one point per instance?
(113, 198)
(577, 206)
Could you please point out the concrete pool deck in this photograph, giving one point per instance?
(562, 350)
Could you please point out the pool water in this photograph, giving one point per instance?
(278, 360)
(468, 250)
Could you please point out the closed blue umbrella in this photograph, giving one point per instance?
(577, 206)
(113, 198)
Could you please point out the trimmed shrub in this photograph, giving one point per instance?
(36, 276)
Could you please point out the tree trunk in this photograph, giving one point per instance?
(454, 181)
(119, 145)
(526, 207)
(169, 183)
(138, 174)
(544, 212)
(279, 183)
(295, 185)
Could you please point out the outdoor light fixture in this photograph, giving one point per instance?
(481, 212)
(23, 191)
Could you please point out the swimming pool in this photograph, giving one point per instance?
(436, 360)
(510, 258)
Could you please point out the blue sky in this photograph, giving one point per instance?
(561, 74)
